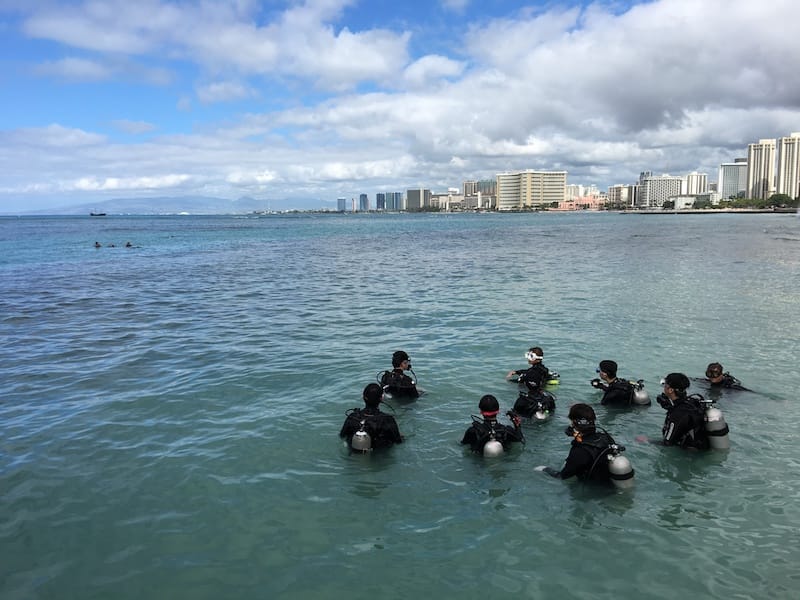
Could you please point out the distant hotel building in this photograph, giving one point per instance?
(622, 196)
(341, 204)
(760, 169)
(480, 194)
(654, 190)
(696, 183)
(788, 181)
(363, 203)
(733, 179)
(417, 199)
(530, 189)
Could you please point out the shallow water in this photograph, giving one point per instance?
(170, 411)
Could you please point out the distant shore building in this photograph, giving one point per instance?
(341, 204)
(363, 202)
(380, 201)
(788, 180)
(760, 169)
(733, 179)
(480, 195)
(696, 183)
(531, 189)
(621, 196)
(418, 199)
(654, 190)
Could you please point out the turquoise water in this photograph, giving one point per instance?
(170, 412)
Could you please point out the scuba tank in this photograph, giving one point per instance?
(492, 447)
(619, 467)
(715, 425)
(361, 441)
(640, 395)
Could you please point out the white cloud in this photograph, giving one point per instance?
(134, 127)
(93, 184)
(431, 68)
(75, 69)
(224, 91)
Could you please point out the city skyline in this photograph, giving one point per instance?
(306, 101)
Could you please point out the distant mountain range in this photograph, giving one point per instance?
(193, 205)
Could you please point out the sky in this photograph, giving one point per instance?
(307, 101)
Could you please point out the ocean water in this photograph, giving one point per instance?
(169, 413)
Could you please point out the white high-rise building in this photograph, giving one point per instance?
(732, 181)
(530, 189)
(788, 168)
(654, 190)
(761, 169)
(696, 183)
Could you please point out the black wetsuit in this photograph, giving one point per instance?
(617, 393)
(728, 382)
(382, 428)
(482, 431)
(538, 374)
(587, 459)
(684, 425)
(397, 383)
(528, 403)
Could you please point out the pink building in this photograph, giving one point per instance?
(583, 203)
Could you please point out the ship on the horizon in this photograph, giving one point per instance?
(94, 214)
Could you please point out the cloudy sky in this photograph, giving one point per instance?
(310, 100)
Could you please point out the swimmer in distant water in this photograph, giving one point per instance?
(128, 245)
(97, 245)
(717, 378)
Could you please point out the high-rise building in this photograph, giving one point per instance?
(760, 169)
(696, 183)
(380, 201)
(654, 190)
(618, 196)
(394, 201)
(733, 179)
(363, 202)
(788, 178)
(418, 198)
(530, 189)
(341, 204)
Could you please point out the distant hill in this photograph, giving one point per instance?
(193, 205)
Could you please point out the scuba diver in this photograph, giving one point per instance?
(691, 421)
(488, 436)
(534, 402)
(716, 377)
(396, 382)
(594, 455)
(536, 373)
(368, 428)
(618, 392)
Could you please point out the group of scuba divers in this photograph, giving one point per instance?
(692, 421)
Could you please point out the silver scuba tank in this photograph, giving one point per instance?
(716, 428)
(620, 468)
(640, 395)
(492, 448)
(361, 441)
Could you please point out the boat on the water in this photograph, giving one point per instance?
(94, 214)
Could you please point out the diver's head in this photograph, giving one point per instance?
(400, 357)
(675, 384)
(714, 372)
(489, 406)
(607, 370)
(373, 394)
(582, 418)
(534, 355)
